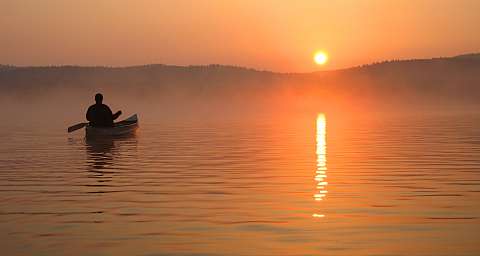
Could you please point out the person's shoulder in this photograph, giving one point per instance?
(106, 107)
(91, 107)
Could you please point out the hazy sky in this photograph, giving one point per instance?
(278, 35)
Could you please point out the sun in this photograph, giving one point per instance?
(320, 58)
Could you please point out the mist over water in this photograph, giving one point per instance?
(160, 92)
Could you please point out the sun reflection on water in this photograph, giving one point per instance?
(321, 172)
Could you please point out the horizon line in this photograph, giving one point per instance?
(241, 67)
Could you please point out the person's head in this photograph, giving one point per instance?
(98, 98)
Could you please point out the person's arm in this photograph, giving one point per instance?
(116, 115)
(89, 114)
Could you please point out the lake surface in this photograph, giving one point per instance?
(314, 185)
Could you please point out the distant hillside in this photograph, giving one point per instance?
(5, 67)
(470, 56)
(439, 81)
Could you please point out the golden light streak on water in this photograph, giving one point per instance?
(321, 172)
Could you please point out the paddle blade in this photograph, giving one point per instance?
(76, 127)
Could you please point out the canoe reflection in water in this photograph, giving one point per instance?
(104, 154)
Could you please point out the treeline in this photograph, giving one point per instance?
(438, 80)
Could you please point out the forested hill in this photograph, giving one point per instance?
(453, 79)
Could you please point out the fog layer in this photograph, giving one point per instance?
(163, 93)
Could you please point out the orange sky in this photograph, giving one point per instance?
(279, 35)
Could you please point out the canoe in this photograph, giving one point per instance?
(125, 127)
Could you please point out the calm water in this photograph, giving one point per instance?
(298, 186)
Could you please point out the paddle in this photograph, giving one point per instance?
(76, 127)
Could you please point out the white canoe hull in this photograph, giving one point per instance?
(125, 127)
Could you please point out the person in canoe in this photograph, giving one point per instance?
(100, 115)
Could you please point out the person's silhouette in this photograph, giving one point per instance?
(100, 115)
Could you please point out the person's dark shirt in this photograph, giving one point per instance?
(100, 115)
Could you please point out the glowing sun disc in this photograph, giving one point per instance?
(320, 58)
